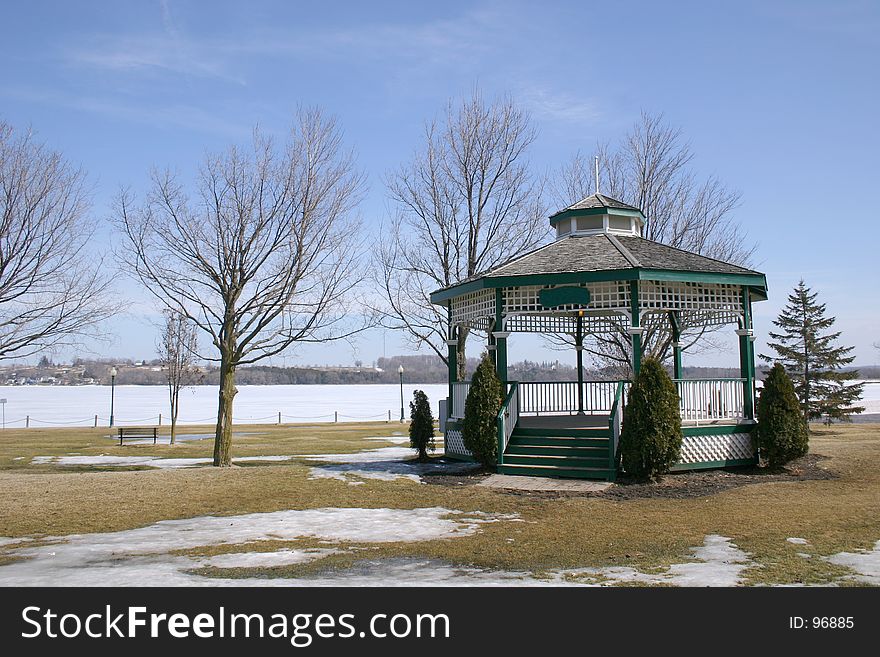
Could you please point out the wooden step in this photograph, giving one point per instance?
(558, 441)
(587, 432)
(527, 449)
(556, 471)
(558, 461)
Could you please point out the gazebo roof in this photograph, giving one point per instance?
(604, 257)
(596, 201)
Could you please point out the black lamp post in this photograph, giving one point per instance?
(400, 371)
(112, 392)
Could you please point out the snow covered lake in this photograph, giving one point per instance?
(78, 405)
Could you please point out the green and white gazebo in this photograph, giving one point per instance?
(601, 276)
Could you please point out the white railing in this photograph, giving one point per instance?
(459, 395)
(559, 397)
(615, 424)
(508, 416)
(710, 399)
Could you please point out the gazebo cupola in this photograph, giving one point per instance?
(598, 214)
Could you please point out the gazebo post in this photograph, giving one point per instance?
(579, 346)
(635, 329)
(676, 344)
(747, 356)
(499, 335)
(452, 361)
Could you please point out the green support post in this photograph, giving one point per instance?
(747, 357)
(676, 344)
(501, 356)
(452, 362)
(635, 329)
(579, 346)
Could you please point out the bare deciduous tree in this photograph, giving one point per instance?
(650, 169)
(52, 290)
(262, 257)
(178, 345)
(466, 202)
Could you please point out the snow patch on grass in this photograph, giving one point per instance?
(384, 464)
(140, 557)
(145, 461)
(866, 564)
(798, 541)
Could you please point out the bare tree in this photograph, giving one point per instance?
(466, 202)
(262, 257)
(650, 168)
(179, 343)
(53, 292)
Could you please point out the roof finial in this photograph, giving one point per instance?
(597, 174)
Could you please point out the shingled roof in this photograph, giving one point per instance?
(597, 201)
(605, 252)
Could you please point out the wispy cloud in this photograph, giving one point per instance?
(559, 106)
(154, 114)
(441, 42)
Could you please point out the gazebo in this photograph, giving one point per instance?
(599, 276)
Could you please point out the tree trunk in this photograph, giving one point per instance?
(223, 435)
(461, 354)
(174, 409)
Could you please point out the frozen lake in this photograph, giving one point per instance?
(78, 405)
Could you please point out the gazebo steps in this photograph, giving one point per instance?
(526, 449)
(565, 471)
(581, 432)
(558, 441)
(599, 461)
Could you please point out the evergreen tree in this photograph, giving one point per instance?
(479, 428)
(421, 426)
(650, 442)
(781, 433)
(811, 357)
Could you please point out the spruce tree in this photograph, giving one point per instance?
(480, 429)
(811, 357)
(421, 426)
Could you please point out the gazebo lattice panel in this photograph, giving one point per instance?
(474, 309)
(656, 295)
(566, 324)
(612, 295)
(708, 449)
(454, 443)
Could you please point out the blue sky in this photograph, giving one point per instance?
(779, 100)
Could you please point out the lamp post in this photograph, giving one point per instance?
(400, 371)
(112, 392)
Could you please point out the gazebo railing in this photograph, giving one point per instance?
(459, 395)
(704, 400)
(507, 418)
(550, 397)
(561, 397)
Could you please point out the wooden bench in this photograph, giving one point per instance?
(138, 432)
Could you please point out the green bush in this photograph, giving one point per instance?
(479, 428)
(650, 442)
(421, 425)
(782, 434)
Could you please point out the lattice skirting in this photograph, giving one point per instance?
(711, 449)
(455, 443)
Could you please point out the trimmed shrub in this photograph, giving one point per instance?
(650, 442)
(421, 425)
(782, 434)
(479, 428)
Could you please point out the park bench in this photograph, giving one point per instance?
(138, 432)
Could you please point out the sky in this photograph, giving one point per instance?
(779, 100)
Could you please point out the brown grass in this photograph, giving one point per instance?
(834, 515)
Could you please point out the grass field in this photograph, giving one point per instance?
(548, 534)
